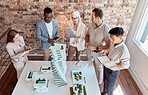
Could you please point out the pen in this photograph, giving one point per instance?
(40, 69)
(84, 80)
(77, 62)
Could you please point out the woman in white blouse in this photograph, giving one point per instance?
(77, 44)
(15, 45)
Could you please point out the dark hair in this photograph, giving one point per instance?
(98, 12)
(11, 34)
(47, 10)
(118, 31)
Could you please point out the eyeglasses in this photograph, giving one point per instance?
(49, 17)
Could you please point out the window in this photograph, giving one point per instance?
(144, 39)
(142, 31)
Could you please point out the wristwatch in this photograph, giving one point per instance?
(97, 48)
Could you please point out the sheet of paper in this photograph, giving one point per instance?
(103, 59)
(71, 40)
(22, 54)
(71, 34)
(19, 55)
(95, 55)
(109, 64)
(106, 62)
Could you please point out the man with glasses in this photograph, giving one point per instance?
(47, 29)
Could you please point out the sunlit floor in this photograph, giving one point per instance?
(118, 90)
(125, 85)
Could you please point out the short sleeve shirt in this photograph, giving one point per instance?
(98, 35)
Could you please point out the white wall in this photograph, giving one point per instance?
(139, 60)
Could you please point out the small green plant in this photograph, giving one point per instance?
(62, 47)
(52, 44)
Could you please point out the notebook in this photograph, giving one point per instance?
(106, 62)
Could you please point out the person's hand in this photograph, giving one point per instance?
(114, 68)
(29, 48)
(102, 53)
(27, 52)
(75, 42)
(86, 44)
(50, 40)
(66, 34)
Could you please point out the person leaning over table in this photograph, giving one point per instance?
(97, 39)
(47, 29)
(76, 44)
(15, 45)
(120, 55)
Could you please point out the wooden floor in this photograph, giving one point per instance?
(125, 84)
(8, 81)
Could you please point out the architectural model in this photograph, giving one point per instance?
(77, 77)
(58, 63)
(41, 85)
(78, 89)
(31, 76)
(45, 69)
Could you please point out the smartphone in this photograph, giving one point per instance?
(56, 38)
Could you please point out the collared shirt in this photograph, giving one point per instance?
(120, 54)
(98, 35)
(49, 28)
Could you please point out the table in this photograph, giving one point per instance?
(24, 87)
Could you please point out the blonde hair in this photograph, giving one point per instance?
(71, 21)
(78, 14)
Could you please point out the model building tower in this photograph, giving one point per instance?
(58, 63)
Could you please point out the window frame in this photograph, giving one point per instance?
(141, 27)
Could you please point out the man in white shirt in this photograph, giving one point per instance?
(120, 55)
(47, 29)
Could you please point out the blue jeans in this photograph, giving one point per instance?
(110, 78)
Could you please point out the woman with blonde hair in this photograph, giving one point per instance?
(77, 44)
